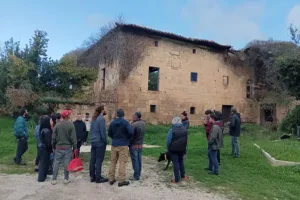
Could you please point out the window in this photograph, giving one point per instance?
(153, 108)
(194, 51)
(192, 110)
(194, 76)
(156, 43)
(249, 91)
(153, 79)
(103, 79)
(225, 80)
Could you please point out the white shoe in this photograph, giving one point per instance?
(66, 181)
(53, 182)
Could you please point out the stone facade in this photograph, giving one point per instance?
(218, 84)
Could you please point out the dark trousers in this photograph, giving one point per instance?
(213, 160)
(136, 159)
(79, 143)
(37, 159)
(86, 136)
(44, 164)
(96, 160)
(21, 149)
(178, 165)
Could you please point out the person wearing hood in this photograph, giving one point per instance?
(136, 144)
(80, 128)
(98, 144)
(121, 132)
(185, 120)
(176, 144)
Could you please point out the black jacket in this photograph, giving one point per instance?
(235, 125)
(45, 139)
(179, 139)
(80, 128)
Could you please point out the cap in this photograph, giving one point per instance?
(66, 113)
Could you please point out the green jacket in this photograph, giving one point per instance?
(64, 135)
(216, 138)
(20, 128)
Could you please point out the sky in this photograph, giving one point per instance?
(70, 22)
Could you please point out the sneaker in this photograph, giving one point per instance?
(21, 163)
(66, 181)
(208, 169)
(125, 183)
(186, 178)
(53, 182)
(93, 179)
(102, 180)
(133, 179)
(112, 182)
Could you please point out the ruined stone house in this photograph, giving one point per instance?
(170, 74)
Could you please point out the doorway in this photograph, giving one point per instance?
(226, 112)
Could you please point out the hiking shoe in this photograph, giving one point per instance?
(125, 183)
(102, 180)
(186, 178)
(93, 180)
(66, 181)
(112, 182)
(174, 182)
(53, 182)
(214, 173)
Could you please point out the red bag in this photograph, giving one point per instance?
(76, 164)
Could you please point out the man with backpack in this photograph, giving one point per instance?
(21, 134)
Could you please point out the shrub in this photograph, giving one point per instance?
(291, 121)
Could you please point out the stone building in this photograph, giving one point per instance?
(173, 74)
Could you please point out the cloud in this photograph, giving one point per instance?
(96, 20)
(294, 16)
(224, 22)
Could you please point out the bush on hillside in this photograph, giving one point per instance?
(291, 121)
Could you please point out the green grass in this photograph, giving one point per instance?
(250, 177)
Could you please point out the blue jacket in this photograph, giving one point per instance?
(37, 134)
(120, 132)
(98, 131)
(20, 128)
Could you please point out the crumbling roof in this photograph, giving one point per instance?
(195, 41)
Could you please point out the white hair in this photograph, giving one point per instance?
(176, 120)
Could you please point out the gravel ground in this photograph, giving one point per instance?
(154, 185)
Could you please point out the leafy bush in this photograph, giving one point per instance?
(291, 121)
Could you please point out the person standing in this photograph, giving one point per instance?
(235, 131)
(214, 144)
(219, 122)
(185, 120)
(45, 147)
(136, 144)
(176, 144)
(37, 138)
(121, 133)
(87, 121)
(98, 145)
(63, 139)
(80, 131)
(21, 134)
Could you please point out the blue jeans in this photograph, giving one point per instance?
(213, 160)
(178, 165)
(136, 159)
(235, 146)
(97, 157)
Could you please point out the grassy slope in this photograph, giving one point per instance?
(251, 176)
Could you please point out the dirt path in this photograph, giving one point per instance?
(154, 185)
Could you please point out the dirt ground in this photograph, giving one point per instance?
(155, 184)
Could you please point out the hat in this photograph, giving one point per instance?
(66, 113)
(184, 113)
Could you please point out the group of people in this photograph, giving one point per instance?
(58, 139)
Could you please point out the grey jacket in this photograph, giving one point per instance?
(139, 128)
(98, 131)
(216, 138)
